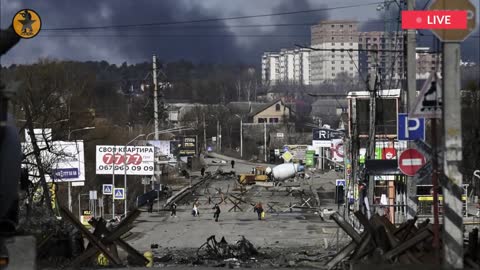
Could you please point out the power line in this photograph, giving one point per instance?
(210, 19)
(177, 27)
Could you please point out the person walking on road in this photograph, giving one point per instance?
(217, 212)
(173, 209)
(150, 206)
(233, 163)
(202, 171)
(195, 212)
(259, 209)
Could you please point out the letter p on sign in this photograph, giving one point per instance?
(410, 128)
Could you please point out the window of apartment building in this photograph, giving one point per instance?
(342, 68)
(277, 107)
(333, 25)
(342, 61)
(351, 68)
(333, 43)
(341, 44)
(341, 25)
(342, 56)
(333, 68)
(360, 39)
(333, 38)
(333, 62)
(350, 26)
(333, 74)
(351, 62)
(351, 44)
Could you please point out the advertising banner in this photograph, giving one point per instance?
(188, 146)
(118, 159)
(322, 137)
(164, 152)
(65, 159)
(309, 158)
(337, 150)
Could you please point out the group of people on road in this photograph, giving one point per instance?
(195, 212)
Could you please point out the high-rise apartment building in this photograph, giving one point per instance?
(427, 62)
(290, 66)
(330, 37)
(382, 52)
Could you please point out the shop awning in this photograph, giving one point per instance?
(382, 167)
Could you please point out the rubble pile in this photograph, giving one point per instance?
(381, 242)
(213, 249)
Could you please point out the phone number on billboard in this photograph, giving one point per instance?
(128, 168)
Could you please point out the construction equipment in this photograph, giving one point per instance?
(261, 175)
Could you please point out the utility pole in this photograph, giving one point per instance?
(409, 104)
(452, 119)
(155, 96)
(204, 134)
(265, 140)
(354, 149)
(218, 136)
(372, 87)
(241, 137)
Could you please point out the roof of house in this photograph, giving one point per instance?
(385, 93)
(244, 107)
(268, 105)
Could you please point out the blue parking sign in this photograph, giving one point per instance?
(410, 128)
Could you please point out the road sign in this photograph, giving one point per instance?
(429, 101)
(389, 153)
(337, 150)
(340, 182)
(92, 194)
(119, 194)
(455, 35)
(287, 156)
(107, 189)
(78, 184)
(410, 128)
(410, 161)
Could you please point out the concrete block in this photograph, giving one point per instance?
(22, 252)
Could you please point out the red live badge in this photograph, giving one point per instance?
(434, 19)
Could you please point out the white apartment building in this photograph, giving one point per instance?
(331, 37)
(291, 66)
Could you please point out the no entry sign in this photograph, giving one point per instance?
(411, 161)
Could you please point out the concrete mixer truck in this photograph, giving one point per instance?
(285, 171)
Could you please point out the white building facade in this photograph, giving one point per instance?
(331, 37)
(289, 66)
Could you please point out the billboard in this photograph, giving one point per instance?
(65, 159)
(322, 137)
(164, 150)
(187, 146)
(118, 159)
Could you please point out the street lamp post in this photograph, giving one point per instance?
(70, 183)
(125, 170)
(241, 135)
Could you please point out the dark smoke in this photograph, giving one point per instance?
(107, 45)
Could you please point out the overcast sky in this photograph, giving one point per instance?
(221, 41)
